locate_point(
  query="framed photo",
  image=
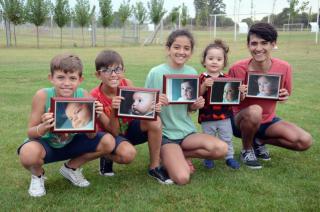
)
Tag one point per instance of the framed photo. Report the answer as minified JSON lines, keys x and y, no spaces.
{"x":225,"y":91}
{"x":181,"y":88}
{"x":73,"y":114}
{"x":264,"y":86}
{"x":139,"y":103}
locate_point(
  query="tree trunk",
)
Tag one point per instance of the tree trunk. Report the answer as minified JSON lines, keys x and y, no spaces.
{"x":82,"y":37}
{"x":61,"y":37}
{"x":37,"y":36}
{"x":14,"y":34}
{"x":104,"y":36}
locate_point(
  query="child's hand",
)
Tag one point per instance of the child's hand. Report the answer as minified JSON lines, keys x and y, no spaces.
{"x":116,"y":102}
{"x":163,"y":99}
{"x":208,"y":82}
{"x":243,"y":91}
{"x":47,"y":121}
{"x":283,"y":94}
{"x":198,"y":104}
{"x":99,"y":108}
{"x":158,"y":107}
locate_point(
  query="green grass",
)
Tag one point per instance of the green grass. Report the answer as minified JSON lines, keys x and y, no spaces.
{"x":290,"y":182}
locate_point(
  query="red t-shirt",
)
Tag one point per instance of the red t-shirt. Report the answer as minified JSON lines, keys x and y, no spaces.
{"x":239,"y":70}
{"x":106,"y":101}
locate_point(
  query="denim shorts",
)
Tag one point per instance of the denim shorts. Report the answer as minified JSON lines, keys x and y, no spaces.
{"x":134,"y":135}
{"x":261,"y":133}
{"x":166,"y":140}
{"x":79,"y":145}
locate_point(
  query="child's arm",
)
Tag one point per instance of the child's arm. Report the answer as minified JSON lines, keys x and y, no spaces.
{"x":39,"y":121}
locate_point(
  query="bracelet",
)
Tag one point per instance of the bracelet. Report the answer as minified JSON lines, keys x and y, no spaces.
{"x":37,"y":130}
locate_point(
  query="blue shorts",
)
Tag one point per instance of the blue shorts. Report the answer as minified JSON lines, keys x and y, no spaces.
{"x":166,"y":140}
{"x":261,"y":133}
{"x":79,"y":145}
{"x":134,"y":135}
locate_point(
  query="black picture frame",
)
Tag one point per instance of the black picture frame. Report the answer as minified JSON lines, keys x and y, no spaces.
{"x":225,"y":91}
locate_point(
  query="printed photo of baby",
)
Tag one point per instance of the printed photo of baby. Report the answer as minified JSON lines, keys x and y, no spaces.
{"x":225,"y":92}
{"x":264,"y":86}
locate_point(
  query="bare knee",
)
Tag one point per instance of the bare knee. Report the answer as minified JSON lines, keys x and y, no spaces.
{"x":106,"y":144}
{"x":31,"y":153}
{"x":253,"y":114}
{"x":181,"y":178}
{"x":126,"y":154}
{"x":305,"y":142}
{"x":218,"y":150}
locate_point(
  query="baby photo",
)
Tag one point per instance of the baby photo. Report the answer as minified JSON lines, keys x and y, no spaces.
{"x":225,"y":92}
{"x":138,"y":102}
{"x":263,"y":85}
{"x":73,"y":115}
{"x":181,"y":89}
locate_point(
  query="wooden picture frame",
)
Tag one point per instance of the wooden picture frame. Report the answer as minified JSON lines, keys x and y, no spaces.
{"x":138,"y":103}
{"x":225,"y":91}
{"x":264,"y":85}
{"x":181,"y":88}
{"x":73,"y":115}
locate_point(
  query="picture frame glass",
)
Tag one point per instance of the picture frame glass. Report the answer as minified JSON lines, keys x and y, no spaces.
{"x":225,"y":92}
{"x":264,"y":86}
{"x":74,"y":115}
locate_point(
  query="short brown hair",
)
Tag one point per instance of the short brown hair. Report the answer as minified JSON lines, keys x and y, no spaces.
{"x":107,"y":58}
{"x":66,"y":63}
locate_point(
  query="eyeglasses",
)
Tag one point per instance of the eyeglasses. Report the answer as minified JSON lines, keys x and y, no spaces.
{"x":117,"y":70}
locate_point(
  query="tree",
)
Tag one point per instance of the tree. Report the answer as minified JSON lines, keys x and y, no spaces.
{"x":124,"y":11}
{"x":37,"y":12}
{"x":14,"y":12}
{"x":156,"y":13}
{"x":206,"y":7}
{"x":82,"y":15}
{"x":184,"y":15}
{"x":61,"y":15}
{"x":140,"y":14}
{"x":174,"y":15}
{"x":106,"y":16}
{"x":294,"y":9}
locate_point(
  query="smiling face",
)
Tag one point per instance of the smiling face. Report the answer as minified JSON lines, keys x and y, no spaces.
{"x":260,"y":49}
{"x":79,"y":114}
{"x":65,"y":83}
{"x":214,"y":60}
{"x":187,"y":91}
{"x":265,"y":86}
{"x":179,"y":52}
{"x":111,"y":75}
{"x":142,"y":103}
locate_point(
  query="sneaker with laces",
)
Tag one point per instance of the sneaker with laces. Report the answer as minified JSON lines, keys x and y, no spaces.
{"x":249,"y":159}
{"x":232,"y":163}
{"x":75,"y":176}
{"x":209,"y":164}
{"x":36,"y":188}
{"x":161,"y":175}
{"x":261,"y":151}
{"x":106,"y":167}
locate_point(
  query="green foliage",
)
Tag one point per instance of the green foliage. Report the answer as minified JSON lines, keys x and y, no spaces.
{"x":37,"y":11}
{"x":156,"y":11}
{"x":106,"y":12}
{"x":124,"y":11}
{"x":140,"y":12}
{"x":82,"y":12}
{"x":184,"y":15}
{"x":13,"y":10}
{"x":204,"y":8}
{"x":61,"y":13}
{"x":174,"y":15}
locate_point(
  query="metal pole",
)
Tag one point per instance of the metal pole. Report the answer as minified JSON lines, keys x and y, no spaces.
{"x":215,"y":27}
{"x":317,"y":32}
{"x":235,"y":22}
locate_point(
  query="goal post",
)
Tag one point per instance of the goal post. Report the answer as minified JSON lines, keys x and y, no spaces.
{"x":293,"y":27}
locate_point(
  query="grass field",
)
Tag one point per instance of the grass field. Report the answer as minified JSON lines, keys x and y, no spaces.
{"x":289,"y":182}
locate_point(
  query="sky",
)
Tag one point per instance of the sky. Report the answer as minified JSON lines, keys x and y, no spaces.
{"x":260,"y":7}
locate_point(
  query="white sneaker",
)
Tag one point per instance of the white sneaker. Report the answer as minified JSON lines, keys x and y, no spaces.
{"x":36,"y":188}
{"x":75,"y":177}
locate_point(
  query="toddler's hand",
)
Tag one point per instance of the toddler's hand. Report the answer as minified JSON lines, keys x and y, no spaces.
{"x":243,"y":91}
{"x":116,"y":102}
{"x":208,"y":82}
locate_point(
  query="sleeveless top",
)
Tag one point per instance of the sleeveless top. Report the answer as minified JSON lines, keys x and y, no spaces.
{"x":56,"y":140}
